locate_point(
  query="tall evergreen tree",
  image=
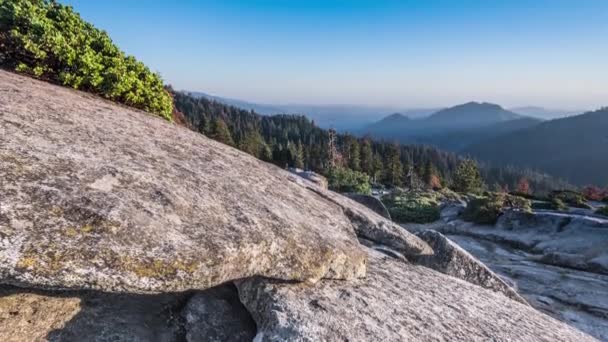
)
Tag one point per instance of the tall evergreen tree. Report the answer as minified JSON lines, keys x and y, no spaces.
{"x":221,"y":133}
{"x":367,"y":157}
{"x":394,"y":167}
{"x":467,"y":177}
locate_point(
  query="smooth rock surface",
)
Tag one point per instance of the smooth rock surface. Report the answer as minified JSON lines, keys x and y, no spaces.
{"x":451,"y":259}
{"x":100,"y":196}
{"x":561,"y":239}
{"x":576,"y":297}
{"x":396,"y":302}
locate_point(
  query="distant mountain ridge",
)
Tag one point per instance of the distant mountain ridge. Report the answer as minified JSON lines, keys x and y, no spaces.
{"x":452,"y":128}
{"x":545,"y":113}
{"x":574,"y":148}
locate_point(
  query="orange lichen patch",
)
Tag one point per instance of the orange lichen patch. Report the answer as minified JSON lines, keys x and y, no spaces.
{"x":159,"y":269}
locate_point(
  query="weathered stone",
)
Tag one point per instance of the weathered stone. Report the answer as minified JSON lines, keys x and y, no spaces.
{"x":27,"y":315}
{"x":372,"y":203}
{"x":100,"y":196}
{"x":452,"y":210}
{"x":451,"y":259}
{"x":217,"y":315}
{"x":396,"y":302}
{"x":374,"y":227}
{"x":576,"y":297}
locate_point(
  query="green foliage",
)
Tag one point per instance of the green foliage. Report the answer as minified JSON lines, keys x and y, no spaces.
{"x":467,"y":177}
{"x":220,"y":132}
{"x":413,"y":207}
{"x":346,"y":180}
{"x":602,"y":211}
{"x":571,"y":198}
{"x":486,"y":209}
{"x":50,"y":41}
{"x":553,"y":204}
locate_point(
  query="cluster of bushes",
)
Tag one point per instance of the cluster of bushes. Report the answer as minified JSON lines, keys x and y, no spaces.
{"x":413,"y":207}
{"x":571,"y":198}
{"x":552,"y":204}
{"x":487,"y":208}
{"x":346,"y":180}
{"x":50,"y":41}
{"x":602,"y":211}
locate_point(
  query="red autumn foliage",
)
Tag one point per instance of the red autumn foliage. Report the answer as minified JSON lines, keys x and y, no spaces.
{"x":594,"y":193}
{"x":435,"y":182}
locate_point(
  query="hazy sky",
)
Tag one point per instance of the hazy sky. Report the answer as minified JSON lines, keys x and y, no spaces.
{"x":403,"y":53}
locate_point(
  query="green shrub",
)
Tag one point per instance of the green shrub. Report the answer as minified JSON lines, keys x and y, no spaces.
{"x":50,"y":41}
{"x":571,"y":198}
{"x":346,"y":180}
{"x":554,"y":204}
{"x":602,"y":211}
{"x":413,"y":207}
{"x":487,"y":209}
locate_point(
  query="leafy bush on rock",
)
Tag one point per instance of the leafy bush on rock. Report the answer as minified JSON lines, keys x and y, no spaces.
{"x":413,"y":207}
{"x":346,"y":180}
{"x":50,"y":41}
{"x":486,"y":209}
{"x":553,"y":204}
{"x":571,"y":198}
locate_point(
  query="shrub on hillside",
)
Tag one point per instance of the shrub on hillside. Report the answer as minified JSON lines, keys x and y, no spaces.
{"x":486,"y":209}
{"x":413,"y":207}
{"x":571,"y":198}
{"x":554,"y":204}
{"x":346,"y":180}
{"x":602,"y":211}
{"x":50,"y":41}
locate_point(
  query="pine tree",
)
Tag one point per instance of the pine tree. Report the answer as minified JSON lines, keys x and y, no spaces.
{"x":367,"y":157}
{"x":299,"y":157}
{"x":467,"y":177}
{"x":221,"y":133}
{"x":354,"y":162}
{"x":394,"y":168}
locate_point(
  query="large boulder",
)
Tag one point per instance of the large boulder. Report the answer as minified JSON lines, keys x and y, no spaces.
{"x":371,"y":202}
{"x":451,"y":259}
{"x":100,"y":196}
{"x":396,"y":302}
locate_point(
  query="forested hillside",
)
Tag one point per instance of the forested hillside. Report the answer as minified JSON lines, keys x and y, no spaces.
{"x":575,"y":148}
{"x":291,"y":140}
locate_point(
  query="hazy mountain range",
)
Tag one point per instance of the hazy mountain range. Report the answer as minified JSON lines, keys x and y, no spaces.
{"x":574,"y":148}
{"x":452,"y":128}
{"x":339,"y":117}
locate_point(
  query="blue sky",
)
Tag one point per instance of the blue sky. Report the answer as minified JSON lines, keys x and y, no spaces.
{"x":404,"y":53}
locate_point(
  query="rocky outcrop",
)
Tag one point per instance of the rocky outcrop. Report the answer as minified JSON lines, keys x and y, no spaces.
{"x":372,"y":203}
{"x":451,"y":259}
{"x":561,"y":239}
{"x":396,"y":302}
{"x":98,"y":196}
{"x":118,"y":226}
